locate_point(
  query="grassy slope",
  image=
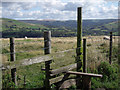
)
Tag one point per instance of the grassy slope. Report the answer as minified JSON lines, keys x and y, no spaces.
{"x":18,"y":24}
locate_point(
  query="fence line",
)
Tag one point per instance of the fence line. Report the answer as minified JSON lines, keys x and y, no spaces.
{"x":35,"y":60}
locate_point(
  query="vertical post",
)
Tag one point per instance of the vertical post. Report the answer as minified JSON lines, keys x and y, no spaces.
{"x":47,"y":71}
{"x":84,"y":56}
{"x":24,"y":81}
{"x":47,"y":50}
{"x":14,"y":76}
{"x":86,"y":80}
{"x":12,"y":58}
{"x":110,"y":49}
{"x":47,"y":42}
{"x":79,"y":43}
{"x":12,"y":49}
{"x":86,"y":83}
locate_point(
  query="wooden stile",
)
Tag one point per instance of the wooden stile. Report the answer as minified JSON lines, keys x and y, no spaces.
{"x":63,"y":69}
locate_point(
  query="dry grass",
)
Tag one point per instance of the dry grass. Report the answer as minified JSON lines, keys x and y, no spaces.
{"x":33,"y":47}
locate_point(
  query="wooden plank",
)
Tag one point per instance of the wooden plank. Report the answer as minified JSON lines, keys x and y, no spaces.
{"x":57,"y":79}
{"x":84,"y":74}
{"x":26,"y":62}
{"x":33,"y":60}
{"x":63,"y":69}
{"x":66,"y":84}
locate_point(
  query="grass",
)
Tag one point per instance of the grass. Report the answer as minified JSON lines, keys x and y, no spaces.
{"x":27,"y":48}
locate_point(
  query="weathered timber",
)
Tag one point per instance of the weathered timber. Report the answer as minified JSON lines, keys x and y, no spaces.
{"x":57,"y":79}
{"x":33,"y":60}
{"x":85,"y":74}
{"x":110,"y":49}
{"x":63,"y":69}
{"x":79,"y":44}
{"x":47,"y":42}
{"x":47,"y":74}
{"x":25,"y":62}
{"x":12,"y":49}
{"x":14,"y":76}
{"x":12,"y":58}
{"x":47,"y":50}
{"x":84,"y":56}
{"x":66,"y":84}
{"x":86,"y":82}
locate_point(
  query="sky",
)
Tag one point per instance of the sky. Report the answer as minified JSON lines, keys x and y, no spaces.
{"x":58,"y":9}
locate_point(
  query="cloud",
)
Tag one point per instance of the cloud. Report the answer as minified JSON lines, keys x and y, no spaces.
{"x":57,"y":9}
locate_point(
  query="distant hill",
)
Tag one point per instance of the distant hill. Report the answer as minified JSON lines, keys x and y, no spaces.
{"x":15,"y":28}
{"x":35,"y":28}
{"x":71,"y":23}
{"x":90,"y":27}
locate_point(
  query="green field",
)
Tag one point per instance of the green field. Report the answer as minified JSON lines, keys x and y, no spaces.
{"x":97,"y":52}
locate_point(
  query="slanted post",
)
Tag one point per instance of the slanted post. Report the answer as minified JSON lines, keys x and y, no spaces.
{"x":47,"y":50}
{"x":110,"y":49}
{"x":79,"y":43}
{"x":12,"y":58}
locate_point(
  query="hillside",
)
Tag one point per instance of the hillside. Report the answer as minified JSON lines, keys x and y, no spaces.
{"x":15,"y":28}
{"x":90,"y":27}
{"x":35,"y":28}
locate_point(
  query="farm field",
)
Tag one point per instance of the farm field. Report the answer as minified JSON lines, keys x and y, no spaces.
{"x":97,"y":52}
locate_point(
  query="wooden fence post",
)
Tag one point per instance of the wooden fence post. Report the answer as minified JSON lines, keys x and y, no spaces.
{"x":110,"y":49}
{"x":84,"y":56}
{"x":47,"y":42}
{"x":12,"y":49}
{"x":79,"y":43}
{"x":12,"y":58}
{"x":24,"y":81}
{"x":86,"y":80}
{"x":47,"y":50}
{"x":86,"y":83}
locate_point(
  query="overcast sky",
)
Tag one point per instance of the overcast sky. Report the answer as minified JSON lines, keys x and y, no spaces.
{"x":59,"y":9}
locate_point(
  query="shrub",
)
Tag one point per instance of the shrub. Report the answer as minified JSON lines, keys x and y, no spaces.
{"x":108,"y":71}
{"x":110,"y":76}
